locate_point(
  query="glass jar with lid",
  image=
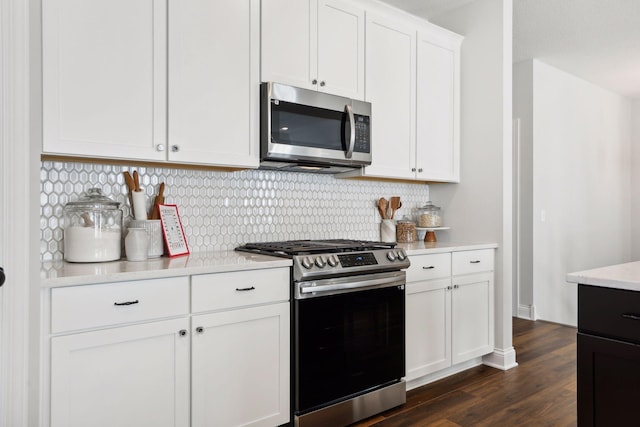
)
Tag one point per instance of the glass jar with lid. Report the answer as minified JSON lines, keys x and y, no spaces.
{"x":92,"y":228}
{"x":405,"y":231}
{"x":429,"y":216}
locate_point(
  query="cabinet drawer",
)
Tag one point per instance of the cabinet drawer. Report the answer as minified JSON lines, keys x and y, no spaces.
{"x":611,"y":313}
{"x":220,"y":291}
{"x":427,"y":267}
{"x":467,"y":262}
{"x":91,"y":306}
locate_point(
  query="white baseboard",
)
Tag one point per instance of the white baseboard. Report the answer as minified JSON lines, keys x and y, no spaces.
{"x":419,"y":382}
{"x":503,"y":359}
{"x":527,"y":311}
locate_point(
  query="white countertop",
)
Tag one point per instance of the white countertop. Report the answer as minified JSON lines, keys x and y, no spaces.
{"x":423,"y":248}
{"x":60,"y":273}
{"x":621,"y":276}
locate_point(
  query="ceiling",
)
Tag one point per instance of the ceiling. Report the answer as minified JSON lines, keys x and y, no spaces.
{"x":596,"y":40}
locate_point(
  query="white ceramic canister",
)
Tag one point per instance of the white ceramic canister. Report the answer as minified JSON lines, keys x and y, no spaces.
{"x":388,"y":230}
{"x":136,"y":244}
{"x":154,"y":233}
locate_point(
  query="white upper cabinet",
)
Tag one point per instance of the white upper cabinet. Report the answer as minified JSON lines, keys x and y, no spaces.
{"x":314,"y":44}
{"x":104,"y":74}
{"x":213,"y":82}
{"x":413,"y":83}
{"x":105,"y":80}
{"x":438,"y":107}
{"x":390,"y":82}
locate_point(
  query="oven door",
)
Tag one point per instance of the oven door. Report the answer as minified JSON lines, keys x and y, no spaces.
{"x":349,"y":337}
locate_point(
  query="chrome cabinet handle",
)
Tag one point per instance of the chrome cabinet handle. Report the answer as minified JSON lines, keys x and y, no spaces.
{"x":456,"y":286}
{"x":314,"y":82}
{"x":127,"y":302}
{"x":631,"y":316}
{"x":160,"y":147}
{"x":175,"y":148}
{"x":448,"y":288}
{"x":322,"y":83}
{"x":2,"y":276}
{"x":251,"y":288}
{"x":200,"y":330}
{"x":413,"y":169}
{"x":428,"y":267}
{"x":419,"y":169}
{"x":182,"y":332}
{"x":475,"y":261}
{"x":352,"y":134}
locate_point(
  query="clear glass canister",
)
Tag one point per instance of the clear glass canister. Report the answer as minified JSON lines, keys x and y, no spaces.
{"x":405,"y":231}
{"x":429,"y":216}
{"x":92,"y":228}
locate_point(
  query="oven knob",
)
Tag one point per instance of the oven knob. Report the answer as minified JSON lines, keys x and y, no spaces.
{"x":332,"y":261}
{"x":401,"y":255}
{"x":391,"y":256}
{"x":320,"y":262}
{"x":306,"y":263}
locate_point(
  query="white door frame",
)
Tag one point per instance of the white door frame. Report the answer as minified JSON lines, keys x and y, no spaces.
{"x":19,"y":213}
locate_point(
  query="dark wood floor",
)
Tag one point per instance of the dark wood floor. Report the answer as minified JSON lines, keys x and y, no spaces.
{"x":541,"y":391}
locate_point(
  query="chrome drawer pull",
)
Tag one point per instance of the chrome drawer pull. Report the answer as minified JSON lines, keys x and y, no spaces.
{"x":428,"y":268}
{"x":631,"y":316}
{"x":245,"y":289}
{"x":126,"y":302}
{"x":475,"y":262}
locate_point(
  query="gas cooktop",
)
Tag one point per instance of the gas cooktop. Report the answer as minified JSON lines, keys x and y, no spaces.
{"x":307,"y":247}
{"x":313,"y":259}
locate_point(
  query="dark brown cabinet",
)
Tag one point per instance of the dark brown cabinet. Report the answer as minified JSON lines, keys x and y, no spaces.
{"x":608,"y":356}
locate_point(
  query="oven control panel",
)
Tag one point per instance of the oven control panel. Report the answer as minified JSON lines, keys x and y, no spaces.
{"x":357,"y":259}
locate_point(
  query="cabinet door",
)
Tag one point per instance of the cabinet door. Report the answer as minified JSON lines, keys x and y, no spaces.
{"x":127,"y":377}
{"x":428,"y":327}
{"x":240,"y":367}
{"x":437,"y":140}
{"x":104,"y":78}
{"x":390,"y":87}
{"x":472,"y":316}
{"x":608,"y":377}
{"x":214,"y":82}
{"x":341,"y":48}
{"x":289,"y":45}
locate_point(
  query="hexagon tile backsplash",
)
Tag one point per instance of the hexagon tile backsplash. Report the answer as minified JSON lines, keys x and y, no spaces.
{"x":221,"y":210}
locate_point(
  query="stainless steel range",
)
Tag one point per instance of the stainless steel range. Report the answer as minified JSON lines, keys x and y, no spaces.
{"x":348,"y":328}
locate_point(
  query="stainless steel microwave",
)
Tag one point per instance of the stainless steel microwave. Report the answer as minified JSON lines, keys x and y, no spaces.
{"x":307,"y":131}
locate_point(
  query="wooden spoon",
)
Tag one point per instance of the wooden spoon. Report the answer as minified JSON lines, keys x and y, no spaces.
{"x":159,"y":200}
{"x":395,"y":204}
{"x":382,"y":207}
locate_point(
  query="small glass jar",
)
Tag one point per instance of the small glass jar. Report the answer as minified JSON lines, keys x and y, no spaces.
{"x":92,"y":228}
{"x":405,"y":231}
{"x":429,"y":216}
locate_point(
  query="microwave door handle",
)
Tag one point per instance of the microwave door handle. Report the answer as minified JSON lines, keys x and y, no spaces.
{"x":352,"y":133}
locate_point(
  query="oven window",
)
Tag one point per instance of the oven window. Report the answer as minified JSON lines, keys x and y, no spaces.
{"x":348,"y":343}
{"x":302,"y":125}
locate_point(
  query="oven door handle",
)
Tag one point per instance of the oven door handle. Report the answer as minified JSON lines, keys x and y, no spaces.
{"x":316,"y":287}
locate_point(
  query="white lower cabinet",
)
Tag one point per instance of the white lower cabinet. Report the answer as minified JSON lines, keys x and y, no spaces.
{"x":134,"y":354}
{"x":240,"y":366}
{"x":130,"y":376}
{"x":449,"y":310}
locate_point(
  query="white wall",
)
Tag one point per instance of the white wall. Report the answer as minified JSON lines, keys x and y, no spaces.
{"x":581,"y":171}
{"x":635,"y":180}
{"x":479,"y":208}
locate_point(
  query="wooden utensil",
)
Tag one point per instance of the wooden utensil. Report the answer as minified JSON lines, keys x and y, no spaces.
{"x":382,"y":207}
{"x":395,"y":204}
{"x":136,"y":181}
{"x":159,"y":200}
{"x":131,"y":185}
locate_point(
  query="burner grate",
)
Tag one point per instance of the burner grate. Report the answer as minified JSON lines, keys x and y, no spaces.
{"x":302,"y":247}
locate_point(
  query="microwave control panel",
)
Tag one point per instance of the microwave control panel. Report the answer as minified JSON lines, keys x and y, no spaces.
{"x":363,"y":132}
